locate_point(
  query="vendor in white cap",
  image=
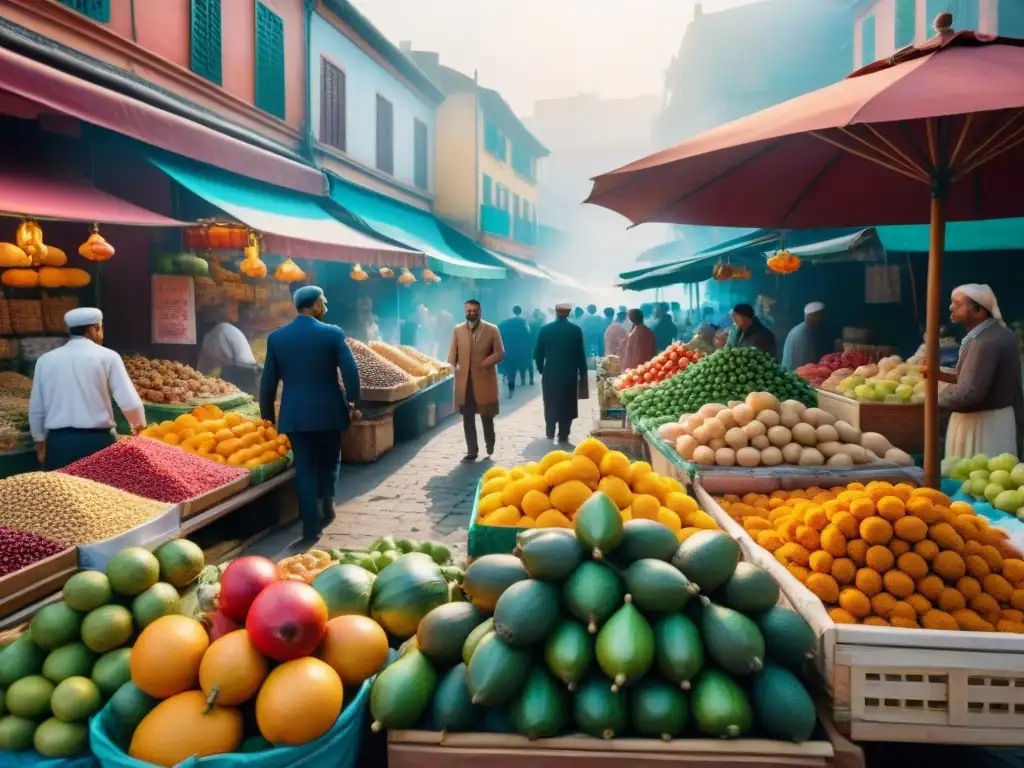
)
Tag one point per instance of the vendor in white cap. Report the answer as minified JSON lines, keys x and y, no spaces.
{"x":985,"y":400}
{"x":803,"y":344}
{"x":70,"y":412}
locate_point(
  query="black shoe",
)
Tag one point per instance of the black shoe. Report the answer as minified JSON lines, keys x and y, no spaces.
{"x":490,"y":451}
{"x":550,"y":435}
{"x":469,"y":458}
{"x":309,"y":539}
{"x":563,"y":439}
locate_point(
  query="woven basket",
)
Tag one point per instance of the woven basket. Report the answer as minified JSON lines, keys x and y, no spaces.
{"x":26,"y":315}
{"x":5,"y":318}
{"x":367,"y":441}
{"x":54,"y":309}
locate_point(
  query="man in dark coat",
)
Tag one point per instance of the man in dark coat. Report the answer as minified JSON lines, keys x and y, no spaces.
{"x":306,"y":356}
{"x":562,"y":362}
{"x":749,"y":331}
{"x":515,"y":335}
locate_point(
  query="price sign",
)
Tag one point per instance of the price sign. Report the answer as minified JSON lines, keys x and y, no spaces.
{"x":174,"y":310}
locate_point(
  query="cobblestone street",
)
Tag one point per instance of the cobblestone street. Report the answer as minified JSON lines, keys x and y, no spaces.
{"x":420,"y":489}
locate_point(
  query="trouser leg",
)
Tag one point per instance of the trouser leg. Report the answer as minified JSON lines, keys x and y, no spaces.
{"x":327,"y":474}
{"x":488,"y":422}
{"x":564,"y":425}
{"x":469,"y":420}
{"x":549,"y":428}
{"x":511,"y":378}
{"x":304,"y":450}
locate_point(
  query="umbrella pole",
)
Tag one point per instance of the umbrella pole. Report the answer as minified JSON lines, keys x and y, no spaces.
{"x":936,"y":249}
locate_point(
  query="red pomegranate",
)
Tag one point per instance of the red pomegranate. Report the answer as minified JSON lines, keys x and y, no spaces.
{"x":242,"y":581}
{"x":287,"y":620}
{"x":221,"y":625}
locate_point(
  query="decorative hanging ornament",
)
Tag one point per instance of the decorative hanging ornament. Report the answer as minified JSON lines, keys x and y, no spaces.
{"x":387,"y":273}
{"x":406,"y":278}
{"x":430,"y":277}
{"x":29,"y":238}
{"x":252,"y":265}
{"x":358,"y":274}
{"x":95,"y":248}
{"x":784,"y":263}
{"x":722,"y":271}
{"x":289,"y":272}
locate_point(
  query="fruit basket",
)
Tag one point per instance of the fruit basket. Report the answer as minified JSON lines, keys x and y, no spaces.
{"x":488,"y":539}
{"x":367,"y":440}
{"x":902,"y":424}
{"x":902,"y":685}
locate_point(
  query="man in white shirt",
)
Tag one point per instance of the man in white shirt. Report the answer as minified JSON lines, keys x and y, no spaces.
{"x":226,"y":348}
{"x":70,"y":411}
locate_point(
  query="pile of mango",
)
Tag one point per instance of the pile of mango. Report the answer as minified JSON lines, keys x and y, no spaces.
{"x":548,"y":493}
{"x":891,"y":555}
{"x":226,"y":438}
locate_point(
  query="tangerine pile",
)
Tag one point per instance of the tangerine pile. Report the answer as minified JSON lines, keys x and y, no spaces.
{"x":891,"y":555}
{"x":226,"y":438}
{"x":548,"y":493}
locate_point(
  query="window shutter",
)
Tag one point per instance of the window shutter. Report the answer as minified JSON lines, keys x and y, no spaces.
{"x":906,"y":23}
{"x":205,"y":56}
{"x":385,"y":135}
{"x":421,"y":155}
{"x":867,"y":40}
{"x":1011,"y":18}
{"x":97,"y":10}
{"x":488,"y":190}
{"x":332,"y":105}
{"x":269,"y":61}
{"x":965,"y":13}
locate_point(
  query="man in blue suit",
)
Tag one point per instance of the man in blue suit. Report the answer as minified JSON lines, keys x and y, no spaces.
{"x":306,"y":356}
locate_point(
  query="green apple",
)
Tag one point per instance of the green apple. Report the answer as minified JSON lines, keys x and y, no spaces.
{"x":866,"y":392}
{"x":979,"y":474}
{"x":905,"y":391}
{"x":1001,"y":477}
{"x":992,"y":491}
{"x":886,"y":387}
{"x":980,"y":461}
{"x":978,"y":486}
{"x":1006,"y":461}
{"x":1008,"y":501}
{"x":1017,"y":475}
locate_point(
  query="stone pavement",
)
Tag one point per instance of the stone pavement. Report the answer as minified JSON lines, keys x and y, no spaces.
{"x":420,"y":489}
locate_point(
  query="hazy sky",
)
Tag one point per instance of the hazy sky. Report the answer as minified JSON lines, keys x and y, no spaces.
{"x":530,"y":49}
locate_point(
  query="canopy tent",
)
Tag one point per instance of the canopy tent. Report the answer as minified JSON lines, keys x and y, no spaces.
{"x":446,"y":250}
{"x":293,"y":224}
{"x":519,"y":266}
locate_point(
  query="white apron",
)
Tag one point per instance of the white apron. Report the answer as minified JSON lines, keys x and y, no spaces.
{"x":987,"y":432}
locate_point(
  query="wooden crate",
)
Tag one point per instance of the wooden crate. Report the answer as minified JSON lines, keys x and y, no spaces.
{"x":430,"y":749}
{"x":903,"y":425}
{"x":904,"y":685}
{"x":208,"y":499}
{"x":40,"y":579}
{"x":367,"y":441}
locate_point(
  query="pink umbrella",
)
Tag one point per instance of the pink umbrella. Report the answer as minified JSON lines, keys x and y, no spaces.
{"x":934,"y":134}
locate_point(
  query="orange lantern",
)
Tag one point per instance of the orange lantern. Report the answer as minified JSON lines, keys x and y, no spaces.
{"x":289,"y":272}
{"x":430,"y":277}
{"x":358,"y":274}
{"x":406,"y":278}
{"x":721,"y":271}
{"x":387,"y":273}
{"x":95,"y":248}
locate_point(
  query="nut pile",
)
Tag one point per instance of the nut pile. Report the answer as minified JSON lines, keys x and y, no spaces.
{"x":70,"y":510}
{"x":19,"y":550}
{"x":154,"y":470}
{"x":167,"y":381}
{"x":374,"y":371}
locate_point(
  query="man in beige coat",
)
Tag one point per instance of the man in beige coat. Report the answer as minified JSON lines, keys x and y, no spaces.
{"x":475,"y":353}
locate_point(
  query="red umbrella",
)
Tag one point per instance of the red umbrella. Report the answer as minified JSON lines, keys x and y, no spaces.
{"x":934,"y":134}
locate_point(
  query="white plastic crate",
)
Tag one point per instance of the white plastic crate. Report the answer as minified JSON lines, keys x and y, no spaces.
{"x":909,"y":685}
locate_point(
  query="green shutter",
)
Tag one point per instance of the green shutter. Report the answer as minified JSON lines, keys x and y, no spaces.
{"x":867,"y":40}
{"x":1011,"y":18}
{"x":97,"y":10}
{"x":906,"y":23}
{"x":205,"y":57}
{"x":269,"y":61}
{"x":965,"y":13}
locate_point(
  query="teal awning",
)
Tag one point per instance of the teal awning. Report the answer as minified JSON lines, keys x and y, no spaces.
{"x":994,"y":235}
{"x":521,"y":267}
{"x":417,"y":229}
{"x":293,"y":224}
{"x":862,"y":245}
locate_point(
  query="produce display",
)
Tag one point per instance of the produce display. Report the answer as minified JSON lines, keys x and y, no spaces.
{"x":402,"y":359}
{"x":889,"y":381}
{"x":761,"y":431}
{"x":438,"y":367}
{"x":77,"y":653}
{"x":185,"y":263}
{"x":382,"y":552}
{"x":728,"y":375}
{"x":19,"y":550}
{"x":166,"y":381}
{"x":14,"y":393}
{"x":605,"y":629}
{"x":374,"y":371}
{"x":999,"y":480}
{"x":154,"y":470}
{"x":891,"y":555}
{"x":609,"y":366}
{"x":226,"y":438}
{"x":817,"y":373}
{"x":551,"y":492}
{"x":675,"y":359}
{"x":71,"y":510}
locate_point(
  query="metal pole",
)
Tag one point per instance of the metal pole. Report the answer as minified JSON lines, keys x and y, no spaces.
{"x":476,"y":152}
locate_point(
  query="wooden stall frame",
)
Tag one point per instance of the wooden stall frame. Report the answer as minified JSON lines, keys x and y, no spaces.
{"x":193,"y":507}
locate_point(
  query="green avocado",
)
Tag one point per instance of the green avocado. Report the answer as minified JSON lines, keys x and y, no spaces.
{"x":750,"y":590}
{"x":783,"y":707}
{"x":526,"y":612}
{"x":720,"y":707}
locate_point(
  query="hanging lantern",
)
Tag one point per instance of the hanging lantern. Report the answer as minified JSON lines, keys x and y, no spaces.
{"x":289,"y":272}
{"x":95,"y":248}
{"x":406,"y":278}
{"x":252,"y":265}
{"x":29,"y":238}
{"x":783,"y":263}
{"x":358,"y":274}
{"x":387,"y":273}
{"x":722,"y":271}
{"x":429,"y":276}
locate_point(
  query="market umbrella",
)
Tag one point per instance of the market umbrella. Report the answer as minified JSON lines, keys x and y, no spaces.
{"x":933,"y":134}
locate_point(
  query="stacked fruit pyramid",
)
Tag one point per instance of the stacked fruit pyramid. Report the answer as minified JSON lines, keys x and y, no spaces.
{"x":891,"y":555}
{"x":549,"y":493}
{"x":611,"y":629}
{"x":76,"y":654}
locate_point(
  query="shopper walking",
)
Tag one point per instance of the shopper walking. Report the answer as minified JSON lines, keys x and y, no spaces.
{"x":305,"y":356}
{"x":70,"y":413}
{"x":562,"y":362}
{"x":476,"y":349}
{"x":615,"y":336}
{"x":515,"y":336}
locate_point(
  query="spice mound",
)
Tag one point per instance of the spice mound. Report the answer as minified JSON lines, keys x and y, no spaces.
{"x":71,"y":510}
{"x":19,"y":550}
{"x":154,"y":470}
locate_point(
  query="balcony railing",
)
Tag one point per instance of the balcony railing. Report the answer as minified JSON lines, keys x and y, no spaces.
{"x":495,"y":221}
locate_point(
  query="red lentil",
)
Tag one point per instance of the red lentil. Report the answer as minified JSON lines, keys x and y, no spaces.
{"x":19,"y":550}
{"x":154,"y":470}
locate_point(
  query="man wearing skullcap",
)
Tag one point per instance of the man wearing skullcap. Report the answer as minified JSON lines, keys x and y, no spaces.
{"x":562,"y":361}
{"x":749,"y":331}
{"x":803,"y":344}
{"x":306,"y":356}
{"x":985,"y":401}
{"x":70,"y":411}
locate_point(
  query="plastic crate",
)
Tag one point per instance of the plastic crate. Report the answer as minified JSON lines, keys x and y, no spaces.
{"x":489,"y":539}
